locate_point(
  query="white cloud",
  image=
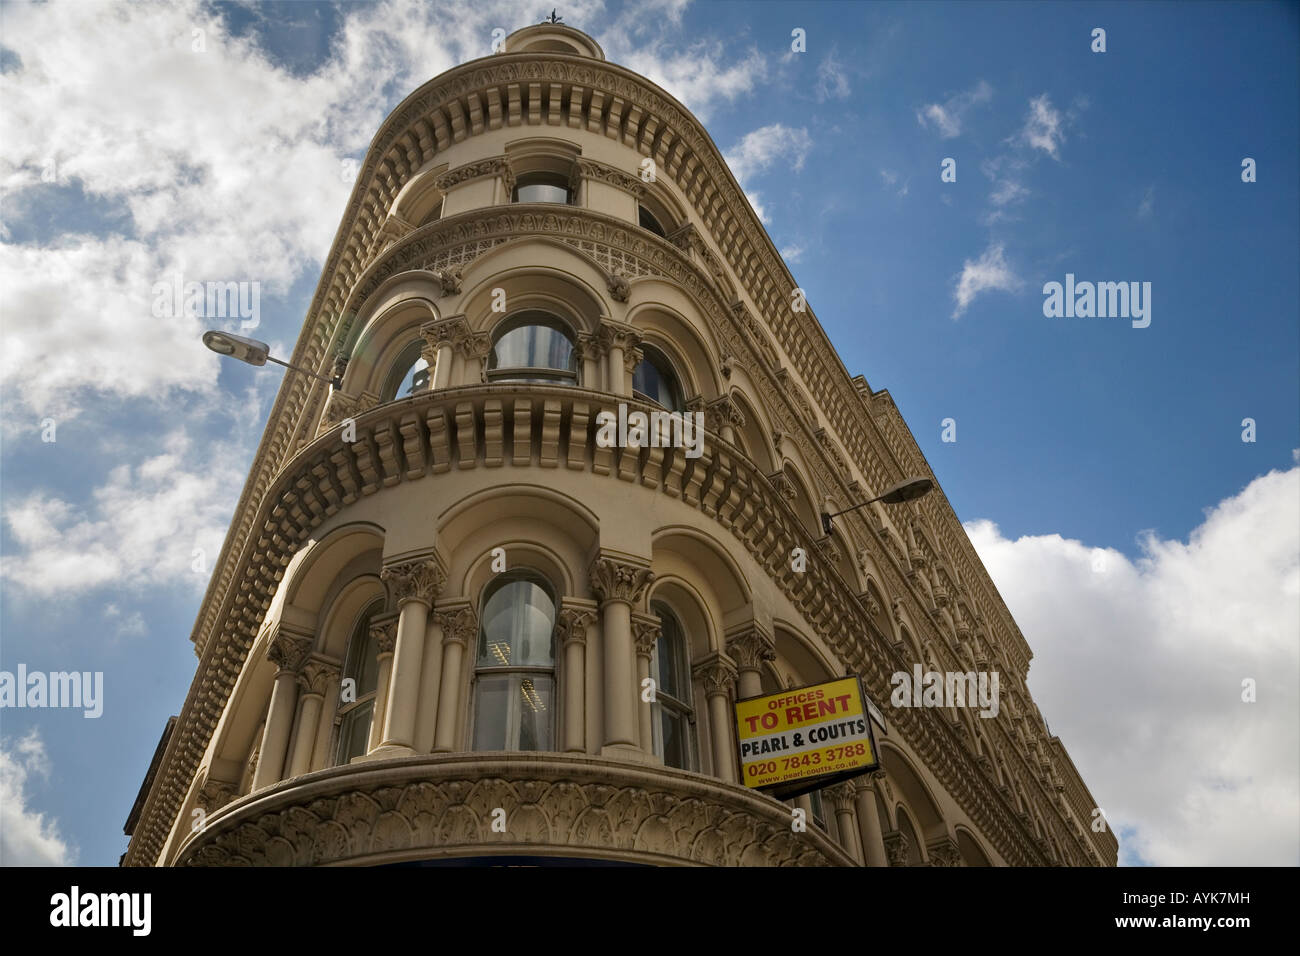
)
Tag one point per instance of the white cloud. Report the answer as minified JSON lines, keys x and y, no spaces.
{"x":832,"y":80}
{"x":792,"y":253}
{"x":1138,"y":667}
{"x":1043,"y":127}
{"x":989,"y":272}
{"x":761,"y":148}
{"x":141,"y":530}
{"x":946,"y":117}
{"x":1148,"y":204}
{"x":756,"y":202}
{"x":27,"y":837}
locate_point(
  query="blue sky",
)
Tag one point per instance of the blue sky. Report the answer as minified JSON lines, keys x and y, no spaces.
{"x":126,"y":155}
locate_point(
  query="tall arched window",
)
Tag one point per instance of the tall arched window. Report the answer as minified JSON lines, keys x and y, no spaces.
{"x":409,"y":374}
{"x":357,"y":700}
{"x":532,"y":347}
{"x":514,"y":676}
{"x":674,"y":718}
{"x":655,"y":381}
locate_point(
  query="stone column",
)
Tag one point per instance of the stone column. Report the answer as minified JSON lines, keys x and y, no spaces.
{"x":440,"y":339}
{"x":718,"y":674}
{"x":618,"y":584}
{"x":414,"y":585}
{"x":645,"y":633}
{"x":842,"y":797}
{"x":615,"y":339}
{"x":287,"y":651}
{"x":571,"y":626}
{"x":869,"y":829}
{"x":384,"y":634}
{"x":749,"y":648}
{"x":314,"y":682}
{"x":459,"y":629}
{"x":426,"y":715}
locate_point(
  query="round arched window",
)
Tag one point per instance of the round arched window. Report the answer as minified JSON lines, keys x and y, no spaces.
{"x":357,"y":710}
{"x":514,"y":674}
{"x":409,"y":374}
{"x":655,"y":381}
{"x":673,"y":724}
{"x":533,"y":347}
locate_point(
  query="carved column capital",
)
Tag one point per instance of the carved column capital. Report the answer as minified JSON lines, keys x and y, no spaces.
{"x":944,"y":852}
{"x":749,"y":648}
{"x":572,"y":622}
{"x":384,"y":634}
{"x":619,"y":335}
{"x":420,"y":580}
{"x":613,"y":579}
{"x":459,"y":625}
{"x":718,"y":413}
{"x":646,"y":629}
{"x":318,"y":676}
{"x":841,"y":795}
{"x":441,"y":333}
{"x":288,"y":649}
{"x":870,"y":782}
{"x":215,"y":794}
{"x":896,"y":847}
{"x":717,"y":672}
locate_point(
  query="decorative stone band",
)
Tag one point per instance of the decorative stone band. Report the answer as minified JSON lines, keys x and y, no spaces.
{"x":611,"y":176}
{"x":441,"y":806}
{"x":614,"y":579}
{"x":421,"y":580}
{"x":459,"y":624}
{"x":494,"y":166}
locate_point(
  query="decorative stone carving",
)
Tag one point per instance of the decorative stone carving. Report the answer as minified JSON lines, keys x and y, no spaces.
{"x":616,"y":580}
{"x":421,"y":580}
{"x":384,"y":634}
{"x":841,"y":795}
{"x":571,"y":624}
{"x":453,"y":331}
{"x":617,"y":335}
{"x":318,"y":676}
{"x":495,"y":166}
{"x":459,"y":625}
{"x":631,"y":359}
{"x":601,"y":173}
{"x":783,"y":485}
{"x":215,"y":794}
{"x":342,"y":406}
{"x":944,"y":852}
{"x":288,"y":650}
{"x":749,"y":649}
{"x":449,"y":280}
{"x":717,"y":673}
{"x":896,"y":847}
{"x":646,"y":629}
{"x":619,"y":288}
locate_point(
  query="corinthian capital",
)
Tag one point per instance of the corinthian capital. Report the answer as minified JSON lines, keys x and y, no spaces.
{"x":288,"y":649}
{"x":646,"y":629}
{"x":615,"y":580}
{"x":317,"y":676}
{"x":750,"y":648}
{"x":717,"y":672}
{"x":617,"y":335}
{"x":459,"y":625}
{"x":384,"y":634}
{"x":421,"y":580}
{"x":446,"y":332}
{"x":572,"y":622}
{"x":841,"y":795}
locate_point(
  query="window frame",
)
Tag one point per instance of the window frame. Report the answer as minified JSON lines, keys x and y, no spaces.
{"x":529,"y":374}
{"x":406,"y":359}
{"x":365,"y":619}
{"x":681,"y":708}
{"x":678,"y":388}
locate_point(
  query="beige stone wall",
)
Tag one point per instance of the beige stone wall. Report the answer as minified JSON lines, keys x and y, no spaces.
{"x":407,"y":512}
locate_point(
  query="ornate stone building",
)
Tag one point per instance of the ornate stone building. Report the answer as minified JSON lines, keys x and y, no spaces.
{"x":441,"y":594}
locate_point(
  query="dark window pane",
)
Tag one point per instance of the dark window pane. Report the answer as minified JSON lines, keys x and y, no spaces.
{"x":518,"y":621}
{"x":491,"y":715}
{"x":533,"y":346}
{"x":655,"y":380}
{"x":648,"y":221}
{"x":354,"y":731}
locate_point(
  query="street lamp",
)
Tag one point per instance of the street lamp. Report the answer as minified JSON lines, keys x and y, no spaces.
{"x":909,"y":489}
{"x":254,"y":352}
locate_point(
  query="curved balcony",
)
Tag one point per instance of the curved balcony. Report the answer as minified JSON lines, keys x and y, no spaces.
{"x":441,"y":807}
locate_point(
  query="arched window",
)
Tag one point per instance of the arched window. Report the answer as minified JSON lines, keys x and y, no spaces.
{"x":533,"y":347}
{"x":541,"y":187}
{"x":409,"y":374}
{"x":655,"y":381}
{"x":674,"y":718}
{"x":514,"y":676}
{"x":648,"y":221}
{"x":357,"y":700}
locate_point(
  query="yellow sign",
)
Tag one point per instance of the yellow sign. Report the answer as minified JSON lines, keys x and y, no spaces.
{"x":818,"y":731}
